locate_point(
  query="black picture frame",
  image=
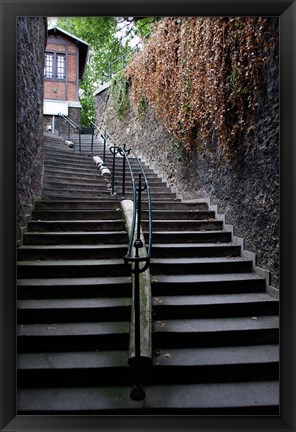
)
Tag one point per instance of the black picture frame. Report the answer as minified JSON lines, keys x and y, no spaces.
{"x":9,"y":10}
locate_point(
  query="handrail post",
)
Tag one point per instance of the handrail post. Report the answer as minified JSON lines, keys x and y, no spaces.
{"x":123,"y":174}
{"x":104,"y":148}
{"x":138,"y":392}
{"x":92,"y":138}
{"x":124,"y":153}
{"x":69,"y":126}
{"x":139,"y":208}
{"x":59,"y":122}
{"x":114,"y":150}
{"x":79,"y":131}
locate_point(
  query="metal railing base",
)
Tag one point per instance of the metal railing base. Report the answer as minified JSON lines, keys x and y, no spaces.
{"x":137,"y":392}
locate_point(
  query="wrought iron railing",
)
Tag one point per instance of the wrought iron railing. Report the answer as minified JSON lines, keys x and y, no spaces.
{"x":104,"y":135}
{"x":136,"y":257}
{"x":71,"y":123}
{"x":79,"y":128}
{"x":122,"y":61}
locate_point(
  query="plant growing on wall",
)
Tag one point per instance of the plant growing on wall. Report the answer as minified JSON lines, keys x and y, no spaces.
{"x":119,"y":91}
{"x":205,"y":77}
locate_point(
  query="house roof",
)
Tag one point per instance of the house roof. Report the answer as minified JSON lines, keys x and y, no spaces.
{"x":83,"y":47}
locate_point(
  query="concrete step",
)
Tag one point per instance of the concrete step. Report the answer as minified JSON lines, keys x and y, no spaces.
{"x":175,"y":205}
{"x":59,"y":152}
{"x":177,"y":215}
{"x":53,"y":182}
{"x":36,"y":311}
{"x":112,"y":203}
{"x":150,"y":176}
{"x":158,"y":190}
{"x":61,"y":157}
{"x":71,"y":173}
{"x":184,"y":225}
{"x":212,"y":265}
{"x":207,"y":332}
{"x":182,"y":250}
{"x":216,"y":365}
{"x":174,"y":237}
{"x":69,"y":168}
{"x":69,"y":161}
{"x":197,"y":284}
{"x":153,"y":180}
{"x":76,"y":225}
{"x":213,"y":306}
{"x":215,"y":330}
{"x":185,"y":365}
{"x":74,"y":368}
{"x":72,"y":268}
{"x":154,"y":184}
{"x":55,"y":194}
{"x":74,"y":287}
{"x":105,"y":214}
{"x":72,"y":167}
{"x":154,"y":197}
{"x":98,"y":204}
{"x":66,"y":176}
{"x":68,"y":252}
{"x":67,"y":337}
{"x":57,"y":147}
{"x":58,"y":155}
{"x":72,"y":238}
{"x":241,"y":398}
{"x":87,"y":163}
{"x":73,"y":194}
{"x":80,"y":198}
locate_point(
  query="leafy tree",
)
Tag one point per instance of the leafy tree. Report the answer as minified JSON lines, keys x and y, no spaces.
{"x":107,"y":44}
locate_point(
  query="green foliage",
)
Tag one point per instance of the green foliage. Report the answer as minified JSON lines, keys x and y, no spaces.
{"x":144,"y":25}
{"x":142,"y":107}
{"x":178,"y":149}
{"x":101,"y":33}
{"x":105,"y":47}
{"x":119,"y":91}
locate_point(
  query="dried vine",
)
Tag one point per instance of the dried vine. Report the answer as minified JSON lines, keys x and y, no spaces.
{"x":204,"y":77}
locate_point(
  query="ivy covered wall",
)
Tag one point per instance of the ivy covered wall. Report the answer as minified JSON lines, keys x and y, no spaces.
{"x":238,"y":172}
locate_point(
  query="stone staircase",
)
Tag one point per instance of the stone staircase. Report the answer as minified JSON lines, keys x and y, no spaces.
{"x":215,"y":328}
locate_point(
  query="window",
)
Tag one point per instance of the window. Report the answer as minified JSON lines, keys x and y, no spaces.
{"x":54,"y":66}
{"x":49,"y":65}
{"x":60,"y":66}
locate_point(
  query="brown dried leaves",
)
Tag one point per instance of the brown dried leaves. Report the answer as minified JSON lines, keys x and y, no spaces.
{"x":203,"y":77}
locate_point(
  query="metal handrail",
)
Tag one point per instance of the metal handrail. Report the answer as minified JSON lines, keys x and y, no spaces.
{"x":125,"y":153}
{"x":69,"y":120}
{"x":122,"y":59}
{"x":149,"y":204}
{"x":104,"y":134}
{"x":139,"y":264}
{"x":74,"y":125}
{"x":102,"y":131}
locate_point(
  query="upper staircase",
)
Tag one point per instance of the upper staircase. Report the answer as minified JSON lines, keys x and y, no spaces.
{"x":215,"y":328}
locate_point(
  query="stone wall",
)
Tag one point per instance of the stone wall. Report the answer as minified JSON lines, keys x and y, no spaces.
{"x":245,"y":190}
{"x":31,"y":39}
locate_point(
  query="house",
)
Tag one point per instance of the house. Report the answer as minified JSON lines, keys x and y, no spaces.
{"x":65,"y":64}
